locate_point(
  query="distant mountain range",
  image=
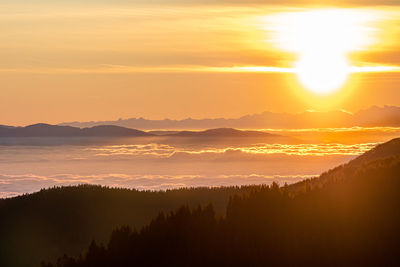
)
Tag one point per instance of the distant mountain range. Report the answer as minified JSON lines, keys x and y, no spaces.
{"x":373,"y":116}
{"x":47,"y":130}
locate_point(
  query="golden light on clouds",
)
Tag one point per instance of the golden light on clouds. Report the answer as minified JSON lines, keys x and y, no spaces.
{"x":166,"y":151}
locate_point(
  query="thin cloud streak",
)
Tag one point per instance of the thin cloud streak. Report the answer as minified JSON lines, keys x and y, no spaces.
{"x":167,"y":151}
{"x":118,"y":69}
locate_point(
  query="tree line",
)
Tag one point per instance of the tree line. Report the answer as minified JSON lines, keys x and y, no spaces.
{"x":350,"y":218}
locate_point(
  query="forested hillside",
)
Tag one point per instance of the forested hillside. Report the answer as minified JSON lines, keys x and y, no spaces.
{"x":349,"y":221}
{"x":54,"y":221}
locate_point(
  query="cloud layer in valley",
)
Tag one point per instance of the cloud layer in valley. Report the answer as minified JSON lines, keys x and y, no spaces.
{"x":12,"y":185}
{"x":155,"y":166}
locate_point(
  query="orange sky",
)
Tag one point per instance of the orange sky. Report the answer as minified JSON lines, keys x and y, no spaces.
{"x":80,"y":61}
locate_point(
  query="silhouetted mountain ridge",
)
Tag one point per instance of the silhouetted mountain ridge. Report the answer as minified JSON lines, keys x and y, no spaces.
{"x":373,"y":116}
{"x":47,"y":130}
{"x":388,"y":150}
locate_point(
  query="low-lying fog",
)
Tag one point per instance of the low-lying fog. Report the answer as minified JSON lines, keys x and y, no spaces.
{"x":29,"y":164}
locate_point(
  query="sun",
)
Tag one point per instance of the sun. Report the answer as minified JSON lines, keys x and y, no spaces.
{"x":322,"y":40}
{"x":322,"y":73}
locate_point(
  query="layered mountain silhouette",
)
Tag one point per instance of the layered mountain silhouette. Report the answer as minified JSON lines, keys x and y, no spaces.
{"x":373,"y":116}
{"x":47,"y":130}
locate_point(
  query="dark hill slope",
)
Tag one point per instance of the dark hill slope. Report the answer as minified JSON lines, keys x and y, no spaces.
{"x":44,"y":224}
{"x":350,"y":221}
{"x":390,"y":149}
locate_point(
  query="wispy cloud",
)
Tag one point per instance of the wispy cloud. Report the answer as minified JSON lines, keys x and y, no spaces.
{"x":337,"y":130}
{"x":119,"y":69}
{"x":222,"y":2}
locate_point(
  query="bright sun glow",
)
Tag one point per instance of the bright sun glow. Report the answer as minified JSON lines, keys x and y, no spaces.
{"x":322,"y":39}
{"x":322,"y":73}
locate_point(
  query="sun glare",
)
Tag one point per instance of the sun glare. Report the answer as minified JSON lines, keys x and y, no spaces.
{"x":322,"y":40}
{"x":322,"y":73}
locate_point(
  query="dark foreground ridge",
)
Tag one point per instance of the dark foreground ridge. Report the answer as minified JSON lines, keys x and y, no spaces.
{"x":349,"y":216}
{"x":49,"y":223}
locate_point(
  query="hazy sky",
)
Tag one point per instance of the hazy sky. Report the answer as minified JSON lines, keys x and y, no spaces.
{"x":102,"y":60}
